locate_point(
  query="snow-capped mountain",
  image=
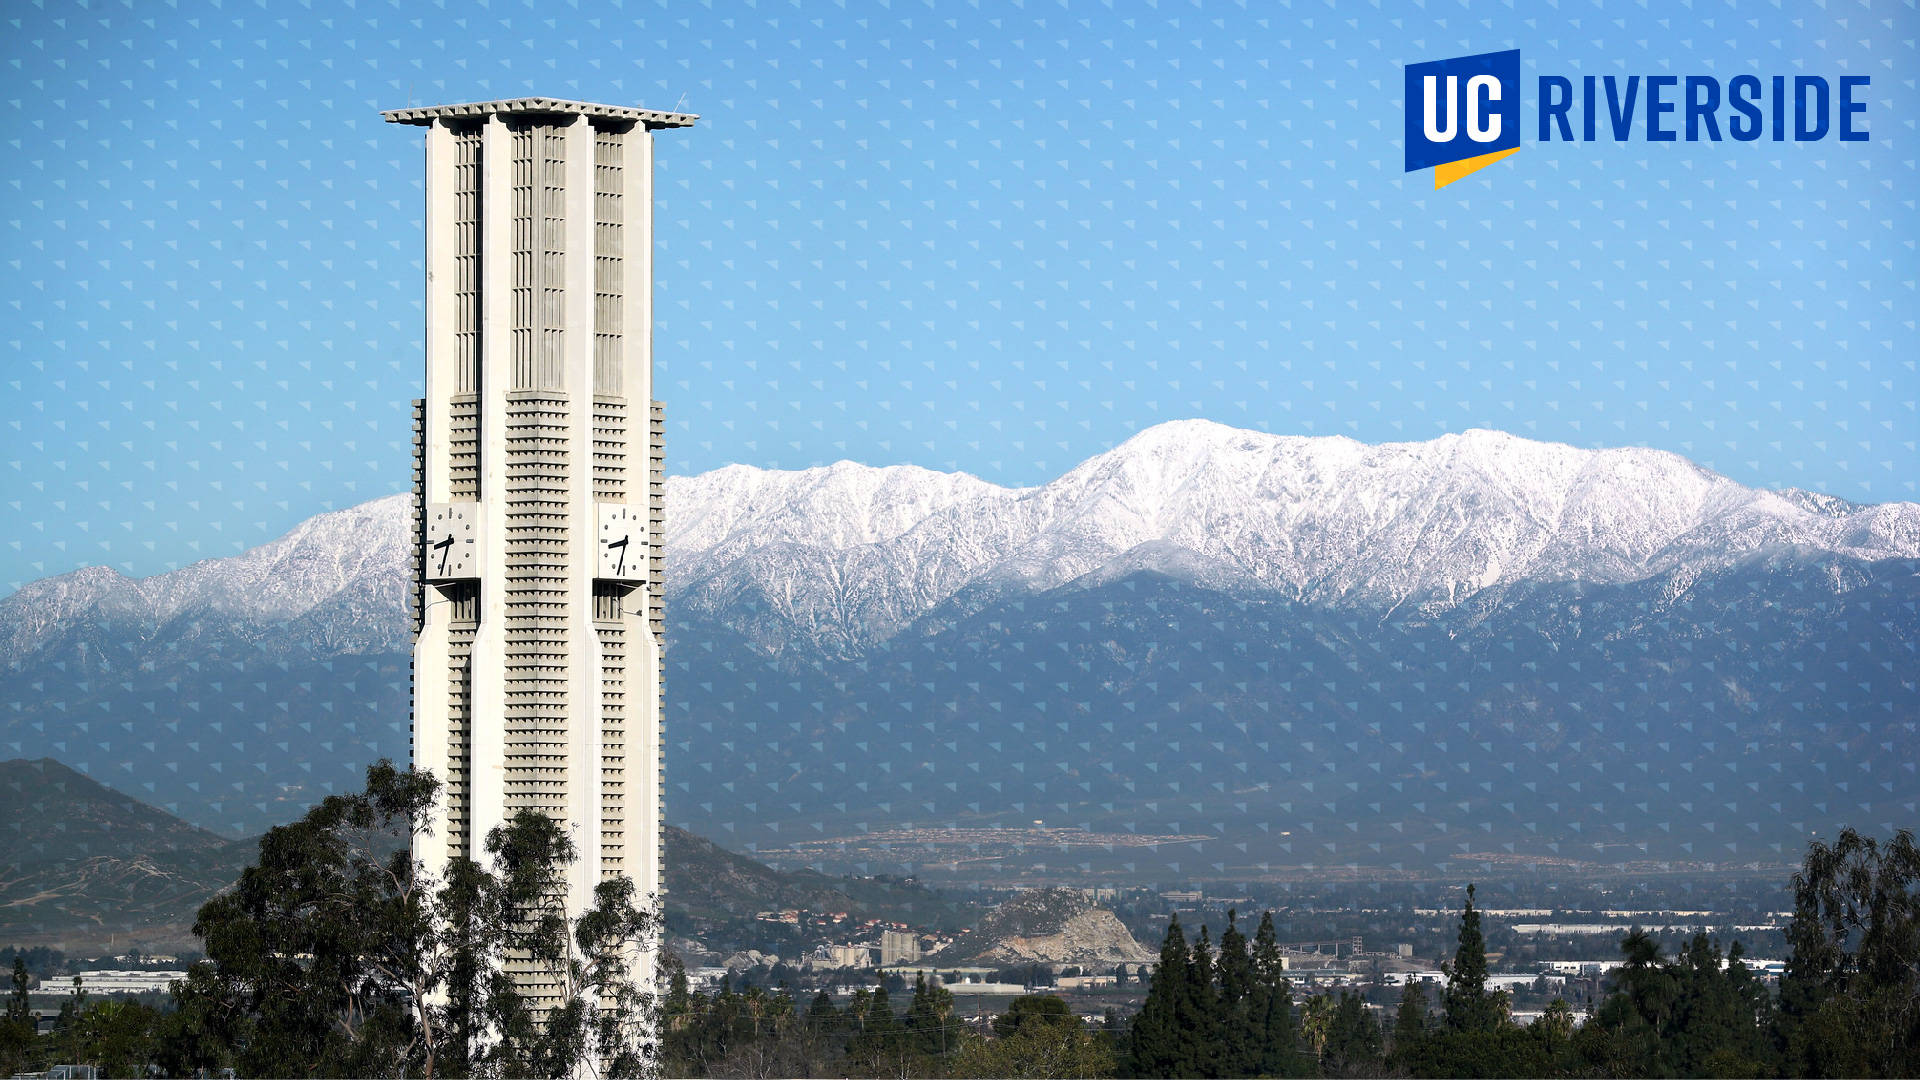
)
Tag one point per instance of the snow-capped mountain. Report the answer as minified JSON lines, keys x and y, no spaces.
{"x":850,"y":555}
{"x":1310,"y":648}
{"x":338,"y":578}
{"x":853,"y":555}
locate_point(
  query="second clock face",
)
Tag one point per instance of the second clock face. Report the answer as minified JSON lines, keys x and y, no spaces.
{"x":452,"y":541}
{"x":622,"y":542}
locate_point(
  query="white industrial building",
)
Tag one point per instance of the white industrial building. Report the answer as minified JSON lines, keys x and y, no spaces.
{"x":898,"y":947}
{"x":119,"y":982}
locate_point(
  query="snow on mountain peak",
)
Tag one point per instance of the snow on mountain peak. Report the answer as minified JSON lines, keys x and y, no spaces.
{"x":848,"y":555}
{"x":351,"y":560}
{"x":839,"y":505}
{"x":1322,"y":519}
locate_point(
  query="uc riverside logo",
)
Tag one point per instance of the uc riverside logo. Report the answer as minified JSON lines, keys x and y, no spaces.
{"x":1463,"y":114}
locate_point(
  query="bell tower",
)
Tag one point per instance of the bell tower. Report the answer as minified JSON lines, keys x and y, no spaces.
{"x":538,"y":496}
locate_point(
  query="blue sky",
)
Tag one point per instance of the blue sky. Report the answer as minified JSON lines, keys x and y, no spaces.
{"x":991,"y":237}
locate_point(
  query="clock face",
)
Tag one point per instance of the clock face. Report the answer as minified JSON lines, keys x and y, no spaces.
{"x":623,"y":543}
{"x":452,"y":541}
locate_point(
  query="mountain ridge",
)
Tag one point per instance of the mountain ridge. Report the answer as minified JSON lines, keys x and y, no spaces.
{"x":845,"y":556}
{"x":124,"y":869}
{"x":82,"y":858}
{"x":1279,"y":641}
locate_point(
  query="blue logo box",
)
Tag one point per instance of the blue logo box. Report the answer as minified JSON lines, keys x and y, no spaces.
{"x":1462,"y":108}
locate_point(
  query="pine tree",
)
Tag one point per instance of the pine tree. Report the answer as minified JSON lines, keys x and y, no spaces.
{"x":1752,"y":1011}
{"x":1468,"y":1004}
{"x":1238,"y":1041}
{"x":679,"y":996}
{"x":1705,"y":1017}
{"x":17,"y":1037}
{"x":880,"y":1045}
{"x":1623,"y":1038}
{"x":1155,"y":1035}
{"x":930,"y":1019}
{"x":1410,"y":1025}
{"x":821,"y":1015}
{"x":1695,"y":1015}
{"x":1353,"y":1040}
{"x":18,"y":1008}
{"x":1199,"y":1014}
{"x":1270,"y":1009}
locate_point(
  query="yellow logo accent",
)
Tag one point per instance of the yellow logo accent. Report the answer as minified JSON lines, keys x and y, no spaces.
{"x":1454,"y":170}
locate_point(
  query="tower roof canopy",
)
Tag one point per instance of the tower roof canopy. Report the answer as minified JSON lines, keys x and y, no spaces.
{"x":537,"y":106}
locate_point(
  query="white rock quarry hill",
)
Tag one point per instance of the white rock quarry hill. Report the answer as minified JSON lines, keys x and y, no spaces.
{"x":1060,"y":927}
{"x":850,"y":554}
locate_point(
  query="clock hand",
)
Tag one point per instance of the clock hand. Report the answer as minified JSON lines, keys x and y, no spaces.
{"x":445,"y":548}
{"x":621,"y":566}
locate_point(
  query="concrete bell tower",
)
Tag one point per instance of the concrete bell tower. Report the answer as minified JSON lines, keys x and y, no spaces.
{"x":537,"y":486}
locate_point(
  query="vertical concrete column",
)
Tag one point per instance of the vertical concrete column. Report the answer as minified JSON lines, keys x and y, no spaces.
{"x":430,"y":687}
{"x":644,"y":761}
{"x":583,"y":651}
{"x":488,"y":777}
{"x":637,"y":260}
